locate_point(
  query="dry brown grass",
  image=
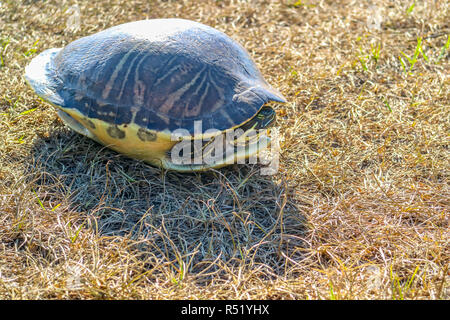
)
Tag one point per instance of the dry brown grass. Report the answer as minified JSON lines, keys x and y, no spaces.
{"x":358,"y":210}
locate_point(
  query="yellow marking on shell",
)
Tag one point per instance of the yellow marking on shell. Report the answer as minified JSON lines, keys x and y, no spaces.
{"x":139,"y":92}
{"x":227,"y":116}
{"x":175,"y":96}
{"x":152,"y":152}
{"x":134,"y":111}
{"x":112,"y":79}
{"x":101,"y":104}
{"x":78,"y":96}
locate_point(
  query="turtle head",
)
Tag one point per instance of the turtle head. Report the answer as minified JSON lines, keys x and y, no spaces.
{"x":265,"y":117}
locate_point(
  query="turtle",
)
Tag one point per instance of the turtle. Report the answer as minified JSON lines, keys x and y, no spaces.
{"x":132,"y":86}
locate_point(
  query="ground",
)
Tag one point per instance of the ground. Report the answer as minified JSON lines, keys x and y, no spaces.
{"x":359,"y":208}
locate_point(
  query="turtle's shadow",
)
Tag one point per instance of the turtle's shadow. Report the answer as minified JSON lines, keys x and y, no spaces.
{"x":220,"y":214}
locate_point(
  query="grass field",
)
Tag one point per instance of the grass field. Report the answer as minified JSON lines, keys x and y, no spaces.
{"x":359,"y":208}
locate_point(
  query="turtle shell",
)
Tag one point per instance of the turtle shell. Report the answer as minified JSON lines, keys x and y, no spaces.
{"x":161,"y":74}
